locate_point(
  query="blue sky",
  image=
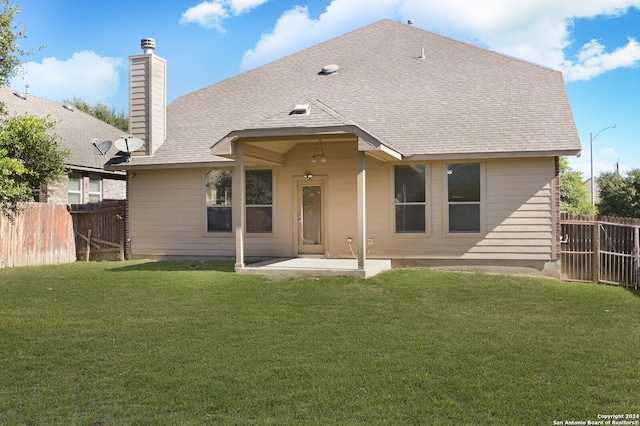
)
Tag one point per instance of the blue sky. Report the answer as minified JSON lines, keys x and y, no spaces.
{"x":595,"y":43}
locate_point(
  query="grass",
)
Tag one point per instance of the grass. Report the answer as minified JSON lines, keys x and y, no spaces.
{"x":193,"y":343}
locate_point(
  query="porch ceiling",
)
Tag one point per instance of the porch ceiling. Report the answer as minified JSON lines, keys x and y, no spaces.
{"x":266,"y":146}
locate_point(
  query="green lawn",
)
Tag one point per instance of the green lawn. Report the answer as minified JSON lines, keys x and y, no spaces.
{"x":194,"y":343}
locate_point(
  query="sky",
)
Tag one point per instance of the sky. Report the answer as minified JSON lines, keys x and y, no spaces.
{"x":81,"y":48}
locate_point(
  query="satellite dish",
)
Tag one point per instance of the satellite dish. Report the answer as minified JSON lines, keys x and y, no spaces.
{"x":128,"y":144}
{"x":101,"y":148}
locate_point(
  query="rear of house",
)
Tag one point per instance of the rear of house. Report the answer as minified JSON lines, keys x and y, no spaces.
{"x":388,"y":142}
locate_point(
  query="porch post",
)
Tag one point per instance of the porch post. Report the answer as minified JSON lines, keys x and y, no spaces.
{"x":238,"y":204}
{"x":362,"y":212}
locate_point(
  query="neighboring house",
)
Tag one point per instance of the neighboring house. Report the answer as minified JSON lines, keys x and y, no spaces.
{"x":87,"y":181}
{"x":388,"y":142}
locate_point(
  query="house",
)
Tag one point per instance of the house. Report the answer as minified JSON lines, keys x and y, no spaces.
{"x":87,"y":181}
{"x":388,"y":142}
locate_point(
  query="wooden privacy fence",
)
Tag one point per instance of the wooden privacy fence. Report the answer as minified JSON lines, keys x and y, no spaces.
{"x":601,"y":249}
{"x":100,"y":230}
{"x":41,"y":234}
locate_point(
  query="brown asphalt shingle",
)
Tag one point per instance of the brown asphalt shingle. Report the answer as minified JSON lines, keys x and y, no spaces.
{"x":74,"y":130}
{"x":459,"y":100}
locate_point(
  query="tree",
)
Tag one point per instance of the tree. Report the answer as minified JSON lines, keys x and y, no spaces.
{"x":13,"y":188}
{"x":574,"y":197}
{"x":15,"y":176}
{"x":10,"y":52}
{"x":619,"y":195}
{"x":103,"y":112}
{"x":29,"y":141}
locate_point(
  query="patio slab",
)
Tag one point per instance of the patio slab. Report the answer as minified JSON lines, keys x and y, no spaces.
{"x":309,"y":266}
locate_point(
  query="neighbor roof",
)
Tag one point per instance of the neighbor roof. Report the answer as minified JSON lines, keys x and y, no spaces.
{"x":459,"y":100}
{"x":75,"y":129}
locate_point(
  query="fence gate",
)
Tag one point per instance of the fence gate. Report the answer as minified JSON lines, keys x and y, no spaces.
{"x":600,"y":249}
{"x":100,"y":230}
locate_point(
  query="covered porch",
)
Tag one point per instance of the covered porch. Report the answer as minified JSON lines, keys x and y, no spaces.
{"x":270,"y":147}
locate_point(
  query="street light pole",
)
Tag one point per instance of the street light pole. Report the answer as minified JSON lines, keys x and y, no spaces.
{"x":593,"y":183}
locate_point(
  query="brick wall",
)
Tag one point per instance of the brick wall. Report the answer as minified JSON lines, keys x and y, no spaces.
{"x":57,"y":193}
{"x":114,"y":189}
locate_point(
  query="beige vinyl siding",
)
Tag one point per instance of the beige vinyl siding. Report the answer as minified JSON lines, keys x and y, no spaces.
{"x":138,"y":96}
{"x":520,"y":220}
{"x":168,"y":212}
{"x":147,"y":100}
{"x":517,"y":219}
{"x":165,"y":213}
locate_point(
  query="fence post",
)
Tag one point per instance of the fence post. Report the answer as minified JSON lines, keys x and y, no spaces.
{"x":595,"y":246}
{"x":636,"y":249}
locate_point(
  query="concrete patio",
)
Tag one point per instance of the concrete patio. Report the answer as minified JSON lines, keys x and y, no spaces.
{"x":315,"y":267}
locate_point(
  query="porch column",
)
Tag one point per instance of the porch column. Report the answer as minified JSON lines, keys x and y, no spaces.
{"x":362,"y":212}
{"x":238,"y":191}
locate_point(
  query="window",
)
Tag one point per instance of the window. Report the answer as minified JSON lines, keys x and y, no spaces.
{"x":95,"y":189}
{"x":218,"y":199}
{"x":464,"y":197}
{"x":259,"y":201}
{"x":74,"y":188}
{"x":410,"y":206}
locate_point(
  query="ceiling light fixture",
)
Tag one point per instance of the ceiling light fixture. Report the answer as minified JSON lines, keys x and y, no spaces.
{"x":318,"y":153}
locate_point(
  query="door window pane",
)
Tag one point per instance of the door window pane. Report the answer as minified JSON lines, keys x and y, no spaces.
{"x":312,"y":215}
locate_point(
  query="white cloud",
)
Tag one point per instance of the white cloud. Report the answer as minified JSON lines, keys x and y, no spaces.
{"x":241,"y":6}
{"x":210,"y":14}
{"x":206,"y":14}
{"x":85,"y":75}
{"x":535,"y":30}
{"x":296,"y":30}
{"x":593,"y":60}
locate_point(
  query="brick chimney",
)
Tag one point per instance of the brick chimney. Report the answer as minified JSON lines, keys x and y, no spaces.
{"x":148,"y":97}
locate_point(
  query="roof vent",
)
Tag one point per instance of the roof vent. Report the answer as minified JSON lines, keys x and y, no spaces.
{"x":301,"y":110}
{"x":329,"y":69}
{"x":148,"y":45}
{"x":410,"y":22}
{"x":24,"y":96}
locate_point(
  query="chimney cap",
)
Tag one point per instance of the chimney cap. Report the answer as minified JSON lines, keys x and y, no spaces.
{"x":148,"y":45}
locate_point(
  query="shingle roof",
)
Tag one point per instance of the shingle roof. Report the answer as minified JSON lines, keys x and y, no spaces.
{"x":459,"y":100}
{"x":74,"y":129}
